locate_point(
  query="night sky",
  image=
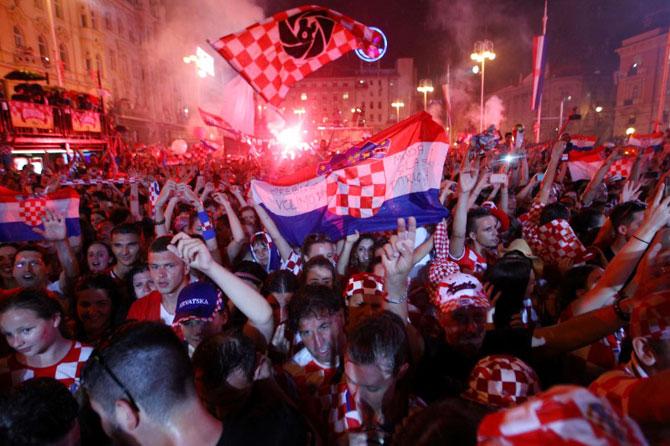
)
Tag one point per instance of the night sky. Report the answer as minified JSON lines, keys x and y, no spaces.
{"x":582,"y":34}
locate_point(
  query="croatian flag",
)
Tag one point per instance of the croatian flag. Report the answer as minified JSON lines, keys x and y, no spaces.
{"x":19,"y":214}
{"x":583,"y":164}
{"x":654,"y":140}
{"x":401,"y":179}
{"x":583,"y":142}
{"x":539,"y":60}
{"x":217,"y":121}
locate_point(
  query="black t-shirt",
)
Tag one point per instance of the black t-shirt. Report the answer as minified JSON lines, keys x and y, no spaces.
{"x":443,"y":371}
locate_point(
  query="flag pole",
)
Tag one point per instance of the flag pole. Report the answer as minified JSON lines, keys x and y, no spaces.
{"x":664,"y":83}
{"x":539,"y":108}
{"x":448,"y":98}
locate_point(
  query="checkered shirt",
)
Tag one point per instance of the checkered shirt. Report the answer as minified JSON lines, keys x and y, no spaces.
{"x":501,"y":381}
{"x":651,"y":317}
{"x":618,"y":385}
{"x":345,"y":417}
{"x":260,"y":53}
{"x":530,"y":223}
{"x":471,"y":262}
{"x":312,"y":379}
{"x":67,"y":370}
{"x":358,"y":191}
{"x":564,"y":415}
{"x":441,"y":266}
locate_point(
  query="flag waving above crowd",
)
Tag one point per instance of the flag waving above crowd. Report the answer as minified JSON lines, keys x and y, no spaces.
{"x":274,"y":54}
{"x":401,"y":179}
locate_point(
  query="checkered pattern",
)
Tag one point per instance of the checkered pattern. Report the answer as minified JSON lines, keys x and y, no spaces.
{"x":530,"y":223}
{"x":501,"y":381}
{"x":651,"y":317}
{"x":565,"y":415}
{"x":257,"y":52}
{"x":441,"y":266}
{"x":560,"y":245}
{"x":364,"y":283}
{"x":67,"y":370}
{"x":620,"y":169}
{"x":154,"y":192}
{"x":357,"y":191}
{"x":312,"y":379}
{"x":293,"y":263}
{"x":459,"y":290}
{"x":31,"y":210}
{"x":618,"y":385}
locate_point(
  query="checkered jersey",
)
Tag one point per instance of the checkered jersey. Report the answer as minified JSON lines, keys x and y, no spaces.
{"x":530,"y":223}
{"x":274,"y":54}
{"x":358,"y":191}
{"x":346,"y":417}
{"x":564,"y":415}
{"x":312,"y":379}
{"x":471,"y":262}
{"x":440,"y":265}
{"x":67,"y":370}
{"x":618,"y":385}
{"x":501,"y":381}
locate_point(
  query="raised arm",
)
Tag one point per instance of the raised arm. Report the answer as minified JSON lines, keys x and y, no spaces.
{"x":159,"y":215}
{"x":591,"y":188}
{"x":345,"y":255}
{"x":55,"y":231}
{"x":254,"y":306}
{"x":550,"y":173}
{"x":282,"y":245}
{"x":235,"y":245}
{"x":466,"y":182}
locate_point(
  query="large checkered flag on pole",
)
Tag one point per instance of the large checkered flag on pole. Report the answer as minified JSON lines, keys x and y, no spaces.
{"x":274,"y":54}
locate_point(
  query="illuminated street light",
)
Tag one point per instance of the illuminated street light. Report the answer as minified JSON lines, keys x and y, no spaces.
{"x":299,"y":111}
{"x":599,"y":109}
{"x":425,"y":87}
{"x":303,"y":96}
{"x":475,"y":69}
{"x":483,"y":51}
{"x":204,"y":63}
{"x":560,"y":113}
{"x":397,"y":104}
{"x":630,"y":131}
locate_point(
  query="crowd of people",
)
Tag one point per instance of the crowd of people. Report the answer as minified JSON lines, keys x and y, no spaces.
{"x":537,"y":313}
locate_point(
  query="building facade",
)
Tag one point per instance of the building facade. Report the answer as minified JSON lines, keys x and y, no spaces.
{"x":590,"y":96}
{"x":360,"y":97}
{"x":100,"y":48}
{"x":639,"y":83}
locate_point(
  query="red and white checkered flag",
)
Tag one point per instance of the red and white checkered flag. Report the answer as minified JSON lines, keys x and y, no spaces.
{"x":274,"y":54}
{"x":620,"y":169}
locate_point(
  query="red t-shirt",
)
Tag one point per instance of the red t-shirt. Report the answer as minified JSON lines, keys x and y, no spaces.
{"x":67,"y":370}
{"x":147,"y":308}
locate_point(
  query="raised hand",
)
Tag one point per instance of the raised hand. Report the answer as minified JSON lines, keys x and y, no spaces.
{"x":54,"y":227}
{"x":353,"y":238}
{"x":399,"y":252}
{"x":192,"y":251}
{"x":629,"y":192}
{"x":467,"y":179}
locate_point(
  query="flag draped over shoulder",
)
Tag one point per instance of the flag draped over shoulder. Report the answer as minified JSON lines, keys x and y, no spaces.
{"x":19,"y":214}
{"x":396,"y":173}
{"x":274,"y":54}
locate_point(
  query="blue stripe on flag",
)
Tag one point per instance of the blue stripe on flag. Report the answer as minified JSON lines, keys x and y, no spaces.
{"x":20,"y":232}
{"x":424,"y":206}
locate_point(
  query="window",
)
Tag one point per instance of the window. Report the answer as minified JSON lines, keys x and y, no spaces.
{"x":379,"y":82}
{"x":83,"y":17}
{"x":98,"y":64}
{"x":631,"y":120}
{"x":94,"y":20}
{"x":345,"y":95}
{"x":633,"y":69}
{"x":42,"y":47}
{"x":112,"y":60}
{"x":379,"y":105}
{"x":108,"y":22}
{"x":379,"y":117}
{"x":19,"y":40}
{"x":39,"y":4}
{"x":58,"y":9}
{"x":119,"y":25}
{"x":64,"y":58}
{"x":88,"y":61}
{"x":372,"y":105}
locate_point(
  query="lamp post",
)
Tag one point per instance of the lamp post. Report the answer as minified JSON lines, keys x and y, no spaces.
{"x":560,"y":111}
{"x":483,"y":51}
{"x":425,"y":87}
{"x":397,"y":104}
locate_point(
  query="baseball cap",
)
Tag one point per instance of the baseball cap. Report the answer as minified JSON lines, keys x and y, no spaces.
{"x":198,"y":300}
{"x":460,"y":290}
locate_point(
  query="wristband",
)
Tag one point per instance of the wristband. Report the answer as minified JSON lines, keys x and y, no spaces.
{"x":207,"y":229}
{"x":400,"y":300}
{"x":619,"y":312}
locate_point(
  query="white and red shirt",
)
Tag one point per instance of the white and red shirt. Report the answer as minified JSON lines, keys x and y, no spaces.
{"x":618,"y":385}
{"x":470,"y":262}
{"x":67,"y":370}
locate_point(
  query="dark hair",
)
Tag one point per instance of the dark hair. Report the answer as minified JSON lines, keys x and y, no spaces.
{"x":33,"y":299}
{"x":33,"y":248}
{"x":353,"y":261}
{"x":313,"y":239}
{"x":137,"y":269}
{"x":474,"y":215}
{"x":119,"y":216}
{"x":585,"y":224}
{"x":623,"y":213}
{"x":105,"y":283}
{"x":312,"y":301}
{"x":318,"y":262}
{"x":280,"y":281}
{"x":160,"y":244}
{"x":126,"y":228}
{"x":110,"y":253}
{"x":13,"y":245}
{"x":553,"y":212}
{"x":574,"y":280}
{"x":151,"y":363}
{"x":509,"y":276}
{"x":219,"y":355}
{"x":38,"y":411}
{"x":248,"y":270}
{"x":379,"y":337}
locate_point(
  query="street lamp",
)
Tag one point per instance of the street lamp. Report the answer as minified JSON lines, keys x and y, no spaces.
{"x":598,"y":109}
{"x":397,"y":104}
{"x":425,"y":87}
{"x":483,"y":51}
{"x":630,"y":131}
{"x":299,"y":111}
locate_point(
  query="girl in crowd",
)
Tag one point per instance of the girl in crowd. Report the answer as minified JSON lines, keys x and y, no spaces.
{"x":99,"y":256}
{"x":30,"y":321}
{"x":140,"y":282}
{"x":99,"y":307}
